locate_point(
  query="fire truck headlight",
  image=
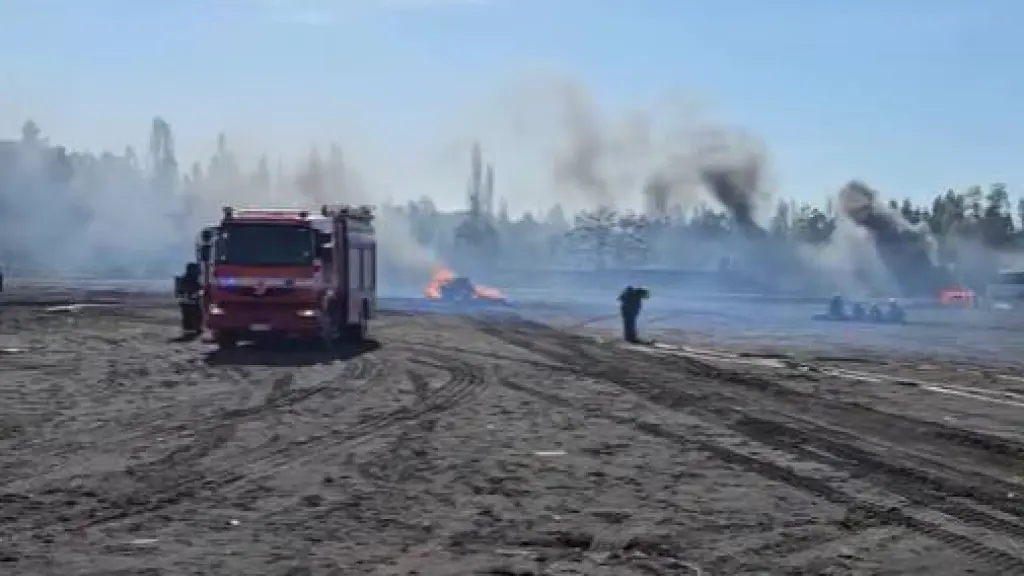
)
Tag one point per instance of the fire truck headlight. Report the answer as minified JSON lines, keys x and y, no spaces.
{"x":216,"y":310}
{"x":308,"y":313}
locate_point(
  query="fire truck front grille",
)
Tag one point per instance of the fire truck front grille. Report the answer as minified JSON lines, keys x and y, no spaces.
{"x":260,"y":308}
{"x":270,"y":291}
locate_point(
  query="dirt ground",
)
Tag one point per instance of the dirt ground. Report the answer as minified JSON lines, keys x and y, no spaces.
{"x":468,"y":446}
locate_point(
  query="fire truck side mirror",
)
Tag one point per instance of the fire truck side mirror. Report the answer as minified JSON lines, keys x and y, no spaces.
{"x":323,"y":246}
{"x":324,"y":252}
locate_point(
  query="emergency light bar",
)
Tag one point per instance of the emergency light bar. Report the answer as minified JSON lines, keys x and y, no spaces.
{"x":230,"y":213}
{"x":364,"y":212}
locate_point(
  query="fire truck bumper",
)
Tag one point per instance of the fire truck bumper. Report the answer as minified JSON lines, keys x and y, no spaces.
{"x":297,"y":321}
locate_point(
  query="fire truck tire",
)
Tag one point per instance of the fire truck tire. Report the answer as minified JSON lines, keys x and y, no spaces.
{"x":333,"y":328}
{"x":358,"y":332}
{"x":226,"y":340}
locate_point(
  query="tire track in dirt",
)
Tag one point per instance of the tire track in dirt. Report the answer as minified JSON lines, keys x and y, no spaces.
{"x":464,"y":382}
{"x":145,"y":422}
{"x":101,"y":396}
{"x":664,"y":394}
{"x":174,"y":477}
{"x":868,"y":512}
{"x":92,"y":385}
{"x":909,"y":427}
{"x":924,"y":487}
{"x":355,"y":374}
{"x":938,"y":476}
{"x":403,"y":454}
{"x":933,"y":491}
{"x":996,"y":445}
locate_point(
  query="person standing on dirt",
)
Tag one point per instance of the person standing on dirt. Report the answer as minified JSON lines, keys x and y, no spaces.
{"x":188,"y":293}
{"x":630,"y":301}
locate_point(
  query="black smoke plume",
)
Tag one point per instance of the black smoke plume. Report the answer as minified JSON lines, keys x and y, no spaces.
{"x":907,"y":250}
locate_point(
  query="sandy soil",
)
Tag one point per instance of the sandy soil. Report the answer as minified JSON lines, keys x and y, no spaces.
{"x":467,"y":446}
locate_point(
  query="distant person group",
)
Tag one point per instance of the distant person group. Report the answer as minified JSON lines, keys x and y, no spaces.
{"x":894,"y":313}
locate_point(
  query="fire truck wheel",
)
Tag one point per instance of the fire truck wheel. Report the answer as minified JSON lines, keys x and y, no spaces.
{"x":333,"y":331}
{"x":358,"y":332}
{"x":226,"y":340}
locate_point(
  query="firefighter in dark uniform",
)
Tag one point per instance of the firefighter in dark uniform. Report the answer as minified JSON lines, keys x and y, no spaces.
{"x":187,"y":289}
{"x":630,"y":301}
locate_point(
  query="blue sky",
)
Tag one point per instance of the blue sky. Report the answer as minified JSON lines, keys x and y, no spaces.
{"x":912,"y":96}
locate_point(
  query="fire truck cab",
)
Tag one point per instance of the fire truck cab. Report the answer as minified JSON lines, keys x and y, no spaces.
{"x":288,"y":273}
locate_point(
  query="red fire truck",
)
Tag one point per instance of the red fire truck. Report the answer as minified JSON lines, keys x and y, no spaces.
{"x":289,"y":273}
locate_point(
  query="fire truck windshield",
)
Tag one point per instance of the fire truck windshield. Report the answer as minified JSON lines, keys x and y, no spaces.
{"x":251,"y":244}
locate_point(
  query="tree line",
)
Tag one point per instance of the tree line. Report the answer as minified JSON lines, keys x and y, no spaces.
{"x":88,"y":191}
{"x":704,"y":235}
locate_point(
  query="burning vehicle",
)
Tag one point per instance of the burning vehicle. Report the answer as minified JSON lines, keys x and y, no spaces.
{"x":445,"y":286}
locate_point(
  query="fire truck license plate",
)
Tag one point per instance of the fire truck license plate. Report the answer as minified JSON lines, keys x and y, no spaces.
{"x":259,"y":327}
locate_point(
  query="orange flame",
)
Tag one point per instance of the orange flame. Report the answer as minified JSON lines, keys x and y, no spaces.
{"x":443,"y":275}
{"x":440,"y":277}
{"x":489,"y":293}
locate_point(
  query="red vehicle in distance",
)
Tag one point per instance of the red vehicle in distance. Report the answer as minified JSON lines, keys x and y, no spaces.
{"x":288,"y":273}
